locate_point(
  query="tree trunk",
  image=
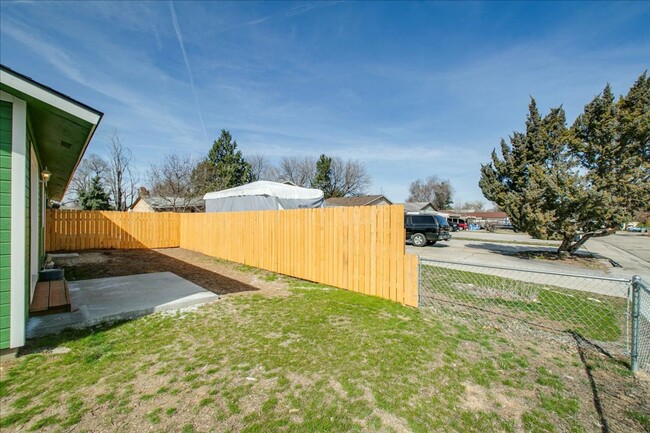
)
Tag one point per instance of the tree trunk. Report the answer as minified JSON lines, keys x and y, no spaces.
{"x":584,"y":238}
{"x":567,"y":247}
{"x":563,"y":250}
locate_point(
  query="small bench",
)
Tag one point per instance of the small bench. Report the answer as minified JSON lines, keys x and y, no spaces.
{"x":50,"y":297}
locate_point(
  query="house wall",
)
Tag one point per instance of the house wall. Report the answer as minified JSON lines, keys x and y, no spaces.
{"x":5,"y":221}
{"x":141,"y":206}
{"x":15,"y":213}
{"x":379,"y":202}
{"x":22,"y":194}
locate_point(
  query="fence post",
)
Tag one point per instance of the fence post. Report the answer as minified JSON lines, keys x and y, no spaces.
{"x":636,"y":315}
{"x":419,"y":281}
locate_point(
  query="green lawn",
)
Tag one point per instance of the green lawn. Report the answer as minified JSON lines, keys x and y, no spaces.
{"x":315,"y":360}
{"x":596,"y":317}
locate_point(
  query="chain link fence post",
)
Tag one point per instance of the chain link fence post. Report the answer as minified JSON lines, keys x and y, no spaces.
{"x":636,"y":315}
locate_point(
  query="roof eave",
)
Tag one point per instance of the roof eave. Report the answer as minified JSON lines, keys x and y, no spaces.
{"x":81,"y":155}
{"x":24,"y":87}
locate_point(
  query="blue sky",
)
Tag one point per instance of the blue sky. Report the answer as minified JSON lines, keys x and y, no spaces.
{"x":410,"y":89}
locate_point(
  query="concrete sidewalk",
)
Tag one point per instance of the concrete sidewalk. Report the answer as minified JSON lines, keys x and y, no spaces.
{"x":120,"y":298}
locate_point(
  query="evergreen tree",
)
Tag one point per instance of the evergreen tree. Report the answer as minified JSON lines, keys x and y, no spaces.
{"x":613,"y":144}
{"x":574,"y":184}
{"x":323,"y":178}
{"x":225,"y":167}
{"x":95,"y":197}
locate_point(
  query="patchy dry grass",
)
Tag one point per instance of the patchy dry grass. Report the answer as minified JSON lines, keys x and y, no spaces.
{"x":597,"y":317}
{"x":319,"y":359}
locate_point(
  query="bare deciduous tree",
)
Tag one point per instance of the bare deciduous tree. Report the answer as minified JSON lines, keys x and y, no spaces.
{"x":300,"y":171}
{"x":261,"y":168}
{"x":349,"y":177}
{"x":122,"y":176}
{"x":171,"y":181}
{"x":433,"y":190}
{"x":494,"y":207}
{"x":90,"y":167}
{"x":205,"y":178}
{"x":474,"y":206}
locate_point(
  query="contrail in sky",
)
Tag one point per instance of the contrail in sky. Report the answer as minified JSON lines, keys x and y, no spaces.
{"x":179,"y":35}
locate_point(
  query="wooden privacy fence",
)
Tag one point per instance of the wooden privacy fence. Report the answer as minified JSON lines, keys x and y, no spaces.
{"x":82,"y":230}
{"x":355,"y":248}
{"x":361,"y":249}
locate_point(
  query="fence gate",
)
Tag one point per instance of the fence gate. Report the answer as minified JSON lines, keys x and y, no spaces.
{"x":599,"y":309}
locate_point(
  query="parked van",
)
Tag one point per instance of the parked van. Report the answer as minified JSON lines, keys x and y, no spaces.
{"x":425,"y":228}
{"x":458,"y":223}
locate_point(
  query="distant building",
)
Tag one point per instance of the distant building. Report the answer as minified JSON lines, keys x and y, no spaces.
{"x":361,"y":200}
{"x":167,"y":204}
{"x":483,"y":218}
{"x":68,"y":205}
{"x":419,"y":206}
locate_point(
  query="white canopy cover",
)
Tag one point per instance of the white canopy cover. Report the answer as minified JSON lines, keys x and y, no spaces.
{"x":263,"y":195}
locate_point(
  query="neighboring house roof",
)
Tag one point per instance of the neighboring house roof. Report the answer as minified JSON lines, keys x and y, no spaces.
{"x":417,"y":206}
{"x":164,"y":203}
{"x":361,"y":200}
{"x":49,"y":111}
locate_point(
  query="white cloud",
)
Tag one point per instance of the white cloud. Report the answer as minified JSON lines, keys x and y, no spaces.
{"x":141,"y":107}
{"x":179,"y":36}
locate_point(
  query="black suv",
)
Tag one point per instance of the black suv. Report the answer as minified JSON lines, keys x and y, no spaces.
{"x":423,"y":229}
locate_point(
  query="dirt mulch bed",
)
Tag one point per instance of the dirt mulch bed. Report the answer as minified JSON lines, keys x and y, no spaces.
{"x":581,"y":259}
{"x":218,"y":276}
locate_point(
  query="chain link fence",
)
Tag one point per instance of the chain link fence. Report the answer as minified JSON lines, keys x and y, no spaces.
{"x":640,"y":325}
{"x":594,"y":308}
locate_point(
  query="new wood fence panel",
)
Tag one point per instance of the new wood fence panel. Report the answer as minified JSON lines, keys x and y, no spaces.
{"x":359,"y":249}
{"x":79,"y":230}
{"x":386,"y":253}
{"x":397,"y":248}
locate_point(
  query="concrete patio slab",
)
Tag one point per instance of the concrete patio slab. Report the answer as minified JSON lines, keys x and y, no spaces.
{"x":120,"y":298}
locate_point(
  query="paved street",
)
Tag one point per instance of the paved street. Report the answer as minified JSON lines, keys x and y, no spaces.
{"x":630,"y":254}
{"x":630,"y":250}
{"x":633,"y":243}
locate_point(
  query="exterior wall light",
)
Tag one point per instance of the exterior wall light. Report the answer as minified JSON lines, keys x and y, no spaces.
{"x":45,"y":175}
